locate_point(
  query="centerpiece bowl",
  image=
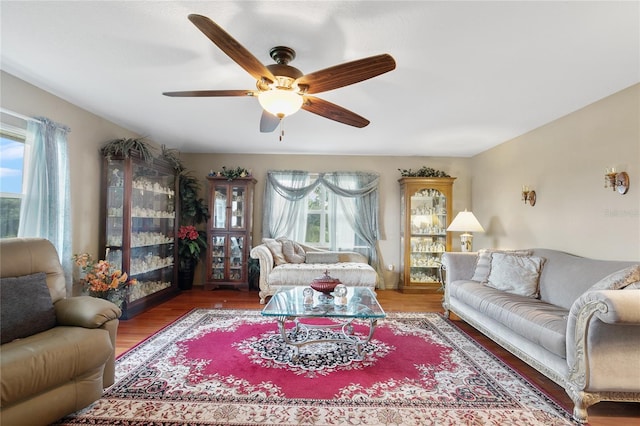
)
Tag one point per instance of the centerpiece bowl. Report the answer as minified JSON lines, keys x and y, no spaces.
{"x":325,"y":284}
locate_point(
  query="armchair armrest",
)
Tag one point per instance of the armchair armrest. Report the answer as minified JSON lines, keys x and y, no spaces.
{"x":85,"y":311}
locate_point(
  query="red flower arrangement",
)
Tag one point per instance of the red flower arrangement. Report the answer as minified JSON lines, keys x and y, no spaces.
{"x":191,"y":242}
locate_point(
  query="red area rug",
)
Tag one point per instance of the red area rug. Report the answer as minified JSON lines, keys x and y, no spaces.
{"x":231,"y":367}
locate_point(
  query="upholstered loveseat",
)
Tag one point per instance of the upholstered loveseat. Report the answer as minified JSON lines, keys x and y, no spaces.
{"x":57,"y":353}
{"x":286,"y":263}
{"x":574,"y":319}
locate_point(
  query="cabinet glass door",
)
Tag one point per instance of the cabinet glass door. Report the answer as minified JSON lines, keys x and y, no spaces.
{"x":237,"y":207}
{"x":428,"y":219}
{"x":115,"y":212}
{"x":220,"y":208}
{"x":236,"y":260}
{"x":152,"y":231}
{"x":218,"y":254}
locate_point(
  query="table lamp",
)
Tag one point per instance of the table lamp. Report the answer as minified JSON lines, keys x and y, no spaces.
{"x":466,"y":223}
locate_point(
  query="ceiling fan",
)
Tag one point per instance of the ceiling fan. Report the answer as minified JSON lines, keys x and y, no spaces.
{"x":282,"y":89}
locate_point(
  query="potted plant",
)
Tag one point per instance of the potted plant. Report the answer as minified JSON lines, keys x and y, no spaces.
{"x":125,"y":146}
{"x":191,"y":244}
{"x":193,"y":212}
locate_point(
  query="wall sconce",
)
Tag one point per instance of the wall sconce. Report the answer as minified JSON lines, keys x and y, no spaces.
{"x":528,"y":195}
{"x":617,"y":181}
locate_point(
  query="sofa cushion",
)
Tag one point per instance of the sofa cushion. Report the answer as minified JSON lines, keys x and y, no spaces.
{"x":349,"y":273}
{"x":292,"y":251}
{"x":323,"y":257}
{"x":515,"y":274}
{"x":537,"y":321}
{"x":619,"y":279}
{"x":49,"y":359}
{"x":275,"y":247}
{"x":483,"y":263}
{"x":25,"y":306}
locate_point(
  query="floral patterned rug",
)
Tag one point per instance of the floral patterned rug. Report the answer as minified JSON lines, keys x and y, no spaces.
{"x":231,"y":367}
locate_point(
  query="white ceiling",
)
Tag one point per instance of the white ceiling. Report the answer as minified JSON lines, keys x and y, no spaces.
{"x":469,"y":76}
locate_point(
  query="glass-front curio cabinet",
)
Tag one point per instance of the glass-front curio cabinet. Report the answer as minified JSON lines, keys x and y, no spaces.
{"x":141,"y":227}
{"x":425,"y":214}
{"x":229,"y":231}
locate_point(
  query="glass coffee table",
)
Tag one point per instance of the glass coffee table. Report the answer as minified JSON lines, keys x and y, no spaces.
{"x":288,"y":304}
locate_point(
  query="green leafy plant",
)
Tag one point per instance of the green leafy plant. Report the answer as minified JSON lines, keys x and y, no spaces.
{"x":172,"y":156}
{"x":423,"y":172}
{"x":125,"y":146}
{"x":230,"y":174}
{"x":193,"y":209}
{"x":253,"y":270}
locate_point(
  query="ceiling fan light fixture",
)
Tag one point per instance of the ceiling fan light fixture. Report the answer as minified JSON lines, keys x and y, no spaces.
{"x":280,"y":103}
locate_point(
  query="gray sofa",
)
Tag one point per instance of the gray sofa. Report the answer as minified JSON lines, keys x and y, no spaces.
{"x":57,"y":353}
{"x":301,"y":267}
{"x":582,"y":337}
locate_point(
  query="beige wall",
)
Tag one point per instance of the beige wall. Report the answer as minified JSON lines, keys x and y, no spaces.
{"x":387,"y":167}
{"x":88,"y":133}
{"x":564,"y":162}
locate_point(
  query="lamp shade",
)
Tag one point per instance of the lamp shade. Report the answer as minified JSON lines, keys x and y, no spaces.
{"x":280,"y":103}
{"x":465,"y":222}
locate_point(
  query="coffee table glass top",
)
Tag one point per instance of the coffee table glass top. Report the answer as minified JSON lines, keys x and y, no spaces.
{"x":289,"y":302}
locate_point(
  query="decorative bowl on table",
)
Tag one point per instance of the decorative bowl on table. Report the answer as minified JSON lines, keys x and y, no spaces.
{"x":325,"y":284}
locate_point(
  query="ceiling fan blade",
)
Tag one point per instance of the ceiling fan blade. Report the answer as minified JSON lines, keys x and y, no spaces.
{"x":347,"y":73}
{"x":209,"y":93}
{"x":231,"y":47}
{"x":268,"y":122}
{"x":333,"y":112}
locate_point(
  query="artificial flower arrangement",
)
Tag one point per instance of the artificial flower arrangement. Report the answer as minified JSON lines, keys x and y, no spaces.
{"x":100,"y":279}
{"x":423,"y":172}
{"x":230,"y":174}
{"x":191,"y":242}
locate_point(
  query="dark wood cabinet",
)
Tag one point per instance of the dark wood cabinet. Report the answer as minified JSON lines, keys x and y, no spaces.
{"x":425,"y":215}
{"x":229,"y":231}
{"x":140,"y":228}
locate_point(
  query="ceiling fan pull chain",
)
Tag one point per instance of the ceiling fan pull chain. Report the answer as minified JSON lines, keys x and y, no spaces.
{"x":281,"y":129}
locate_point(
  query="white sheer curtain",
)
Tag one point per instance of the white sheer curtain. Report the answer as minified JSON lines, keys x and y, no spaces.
{"x":284,"y":201}
{"x":357,"y":192}
{"x":45,"y":210}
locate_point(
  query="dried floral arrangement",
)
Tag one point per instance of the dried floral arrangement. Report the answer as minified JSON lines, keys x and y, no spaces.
{"x":423,"y":172}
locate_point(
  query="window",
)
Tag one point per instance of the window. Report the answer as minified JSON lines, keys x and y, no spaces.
{"x":335,"y":211}
{"x":12,"y":162}
{"x":326,"y":224}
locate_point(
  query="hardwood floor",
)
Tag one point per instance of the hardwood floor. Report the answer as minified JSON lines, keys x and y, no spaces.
{"x":135,"y":330}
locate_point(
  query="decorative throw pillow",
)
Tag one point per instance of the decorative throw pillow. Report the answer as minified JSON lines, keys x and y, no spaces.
{"x":292,"y":251}
{"x":515,"y":274}
{"x":483,"y":265}
{"x":619,"y":279}
{"x":26,"y":307}
{"x":323,"y":257}
{"x":275,"y":247}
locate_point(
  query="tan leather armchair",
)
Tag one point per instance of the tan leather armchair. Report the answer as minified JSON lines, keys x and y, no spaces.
{"x":50,"y":374}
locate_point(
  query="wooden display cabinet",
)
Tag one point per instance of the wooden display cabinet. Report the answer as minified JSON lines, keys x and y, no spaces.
{"x":140,"y":228}
{"x":425,"y":215}
{"x":229,"y":232}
